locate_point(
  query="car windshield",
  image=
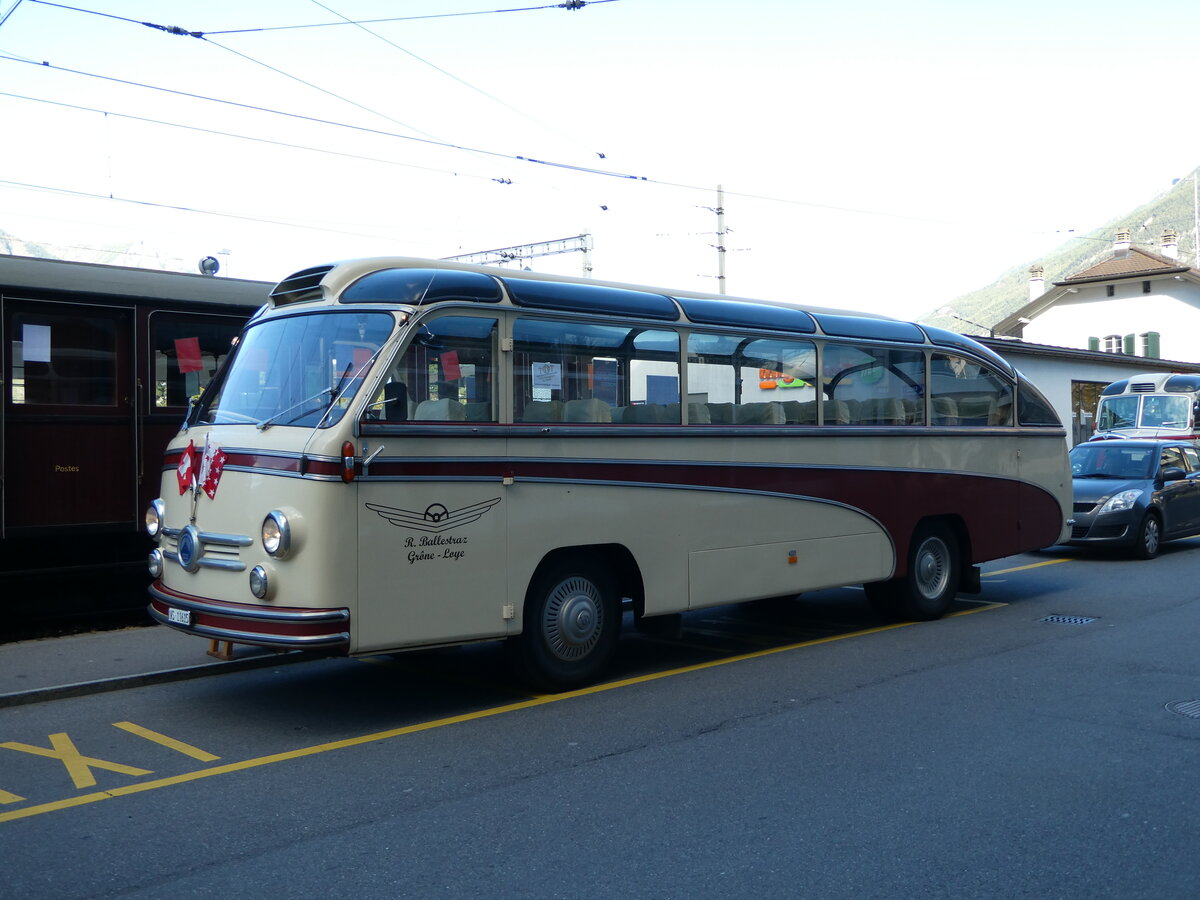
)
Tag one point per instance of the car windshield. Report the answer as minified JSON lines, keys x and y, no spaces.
{"x":300,"y":370}
{"x":1102,"y":459}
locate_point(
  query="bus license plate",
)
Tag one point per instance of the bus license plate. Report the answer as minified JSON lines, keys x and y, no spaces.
{"x":179,"y":616}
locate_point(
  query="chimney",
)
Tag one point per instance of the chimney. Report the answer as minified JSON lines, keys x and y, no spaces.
{"x":1037,"y":281}
{"x":1122,"y":244}
{"x":1170,"y":244}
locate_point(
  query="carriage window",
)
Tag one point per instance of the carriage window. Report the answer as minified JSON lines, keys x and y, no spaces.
{"x":445,"y":375}
{"x":63,"y":360}
{"x":584,"y":373}
{"x":873,"y":386}
{"x":965,"y":392}
{"x":187,"y":351}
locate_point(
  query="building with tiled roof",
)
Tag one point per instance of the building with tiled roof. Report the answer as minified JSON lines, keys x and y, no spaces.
{"x":1133,"y":302}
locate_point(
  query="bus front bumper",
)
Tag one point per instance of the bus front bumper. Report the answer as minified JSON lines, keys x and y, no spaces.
{"x":289,"y":628}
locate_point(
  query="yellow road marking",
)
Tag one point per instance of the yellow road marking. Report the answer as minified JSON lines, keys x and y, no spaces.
{"x":1037,"y":565}
{"x":6,"y":797}
{"x":532,"y":702}
{"x":79,"y":767}
{"x":169,"y":742}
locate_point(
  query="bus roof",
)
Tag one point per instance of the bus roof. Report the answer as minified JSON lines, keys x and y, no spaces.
{"x":389,"y":280}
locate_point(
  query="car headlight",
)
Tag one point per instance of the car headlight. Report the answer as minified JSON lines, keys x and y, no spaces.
{"x":1119,"y":502}
{"x":155,"y":513}
{"x":277,"y":534}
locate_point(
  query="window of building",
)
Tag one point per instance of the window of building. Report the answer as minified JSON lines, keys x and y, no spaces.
{"x":1113,"y":343}
{"x":1110,"y":290}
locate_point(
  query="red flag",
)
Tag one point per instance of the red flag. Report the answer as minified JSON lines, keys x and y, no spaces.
{"x":187,"y":351}
{"x":211,"y":467}
{"x":186,"y":468}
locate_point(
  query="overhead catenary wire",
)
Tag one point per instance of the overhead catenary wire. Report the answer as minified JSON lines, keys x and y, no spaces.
{"x":176,"y":30}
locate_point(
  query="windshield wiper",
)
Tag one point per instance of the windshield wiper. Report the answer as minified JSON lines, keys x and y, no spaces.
{"x":273,"y":420}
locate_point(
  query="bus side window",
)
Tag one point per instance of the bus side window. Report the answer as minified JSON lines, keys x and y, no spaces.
{"x":965,"y":392}
{"x":874,"y":386}
{"x":584,"y":373}
{"x":445,"y":375}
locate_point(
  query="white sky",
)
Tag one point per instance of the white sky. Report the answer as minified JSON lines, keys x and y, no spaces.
{"x":875,"y":155}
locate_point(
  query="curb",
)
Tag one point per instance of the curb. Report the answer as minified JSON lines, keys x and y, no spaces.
{"x":164,"y":676}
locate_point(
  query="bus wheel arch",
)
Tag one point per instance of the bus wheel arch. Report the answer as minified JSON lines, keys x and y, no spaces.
{"x":571,"y":618}
{"x":932,"y":576}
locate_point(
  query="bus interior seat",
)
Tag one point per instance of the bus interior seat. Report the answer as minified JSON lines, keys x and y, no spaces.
{"x":945,"y":411}
{"x":642,"y":414}
{"x":698,"y":414}
{"x":837,"y":412}
{"x":720,"y":413}
{"x":589,"y":409}
{"x":395,"y":402}
{"x":480,"y":411}
{"x":769,"y":413}
{"x":976,"y":410}
{"x":543,"y":411}
{"x":445,"y":410}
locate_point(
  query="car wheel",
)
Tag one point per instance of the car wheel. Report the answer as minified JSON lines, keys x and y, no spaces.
{"x":571,"y":623}
{"x":1149,"y":537}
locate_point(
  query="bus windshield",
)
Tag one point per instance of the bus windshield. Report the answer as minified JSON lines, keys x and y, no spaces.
{"x":300,"y":371}
{"x":1157,"y":411}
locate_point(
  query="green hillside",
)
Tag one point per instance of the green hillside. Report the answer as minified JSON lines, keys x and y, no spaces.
{"x":1009,"y":292}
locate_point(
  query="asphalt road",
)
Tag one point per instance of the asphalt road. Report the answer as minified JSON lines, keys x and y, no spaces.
{"x":792,"y":749}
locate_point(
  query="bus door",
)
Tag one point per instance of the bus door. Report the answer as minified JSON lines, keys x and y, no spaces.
{"x":432,"y":506}
{"x":68,"y":424}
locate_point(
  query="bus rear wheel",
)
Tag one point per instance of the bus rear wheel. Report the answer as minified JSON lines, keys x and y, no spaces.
{"x":571,"y":623}
{"x":925,"y":592}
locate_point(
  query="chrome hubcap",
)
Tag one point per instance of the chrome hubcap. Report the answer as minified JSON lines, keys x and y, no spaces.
{"x":573,"y":618}
{"x":932,"y":568}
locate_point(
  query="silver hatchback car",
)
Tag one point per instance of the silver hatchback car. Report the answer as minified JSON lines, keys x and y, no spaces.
{"x":1135,"y":493}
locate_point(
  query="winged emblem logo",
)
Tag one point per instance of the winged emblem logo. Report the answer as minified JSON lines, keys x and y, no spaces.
{"x":436,"y":518}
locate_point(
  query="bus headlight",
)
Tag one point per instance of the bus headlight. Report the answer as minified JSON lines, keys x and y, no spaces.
{"x":260,"y":582}
{"x":155,"y":513}
{"x":277,"y":534}
{"x":155,"y":563}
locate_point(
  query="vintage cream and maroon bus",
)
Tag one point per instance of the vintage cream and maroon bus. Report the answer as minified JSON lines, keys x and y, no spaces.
{"x":403,"y":453}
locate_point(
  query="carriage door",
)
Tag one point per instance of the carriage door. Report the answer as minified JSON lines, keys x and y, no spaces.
{"x":68,"y":417}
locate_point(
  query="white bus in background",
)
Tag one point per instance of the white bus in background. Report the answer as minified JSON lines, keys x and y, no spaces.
{"x":404,"y":453}
{"x":1152,"y":405}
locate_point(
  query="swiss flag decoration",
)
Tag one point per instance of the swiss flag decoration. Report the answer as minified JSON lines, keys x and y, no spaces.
{"x":211,"y":467}
{"x":186,"y":470}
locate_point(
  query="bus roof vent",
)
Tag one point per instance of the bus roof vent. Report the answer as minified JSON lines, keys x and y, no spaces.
{"x":1141,"y":387}
{"x":303,"y":285}
{"x":738,"y":313}
{"x":591,"y":298}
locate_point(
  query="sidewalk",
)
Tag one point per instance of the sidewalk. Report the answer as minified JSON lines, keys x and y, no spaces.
{"x":77,"y":664}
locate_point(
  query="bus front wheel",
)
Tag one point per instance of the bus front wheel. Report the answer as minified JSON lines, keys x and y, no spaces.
{"x":925,"y":592}
{"x":571,"y":623}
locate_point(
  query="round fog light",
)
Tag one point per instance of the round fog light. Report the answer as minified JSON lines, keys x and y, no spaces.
{"x":155,"y":563}
{"x":259,"y":585}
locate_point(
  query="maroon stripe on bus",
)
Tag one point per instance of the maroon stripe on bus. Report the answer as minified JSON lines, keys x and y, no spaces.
{"x":1002,"y":516}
